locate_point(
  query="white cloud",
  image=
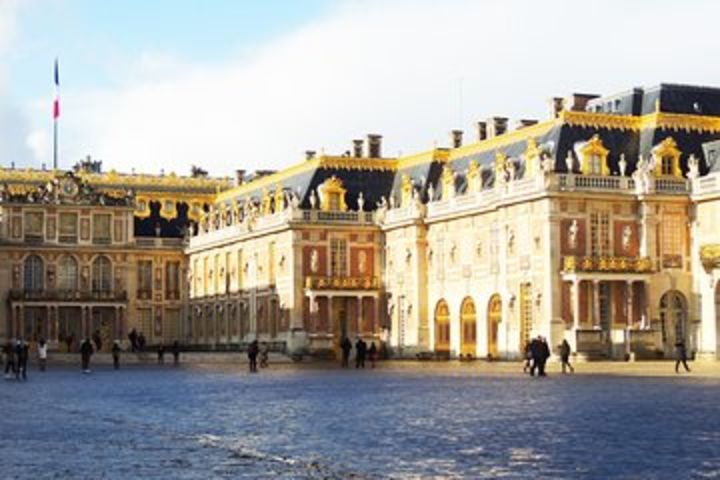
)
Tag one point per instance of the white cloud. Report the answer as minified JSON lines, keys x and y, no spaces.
{"x":383,"y":67}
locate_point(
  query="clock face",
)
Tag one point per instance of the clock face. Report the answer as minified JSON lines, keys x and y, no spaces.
{"x":69,"y":187}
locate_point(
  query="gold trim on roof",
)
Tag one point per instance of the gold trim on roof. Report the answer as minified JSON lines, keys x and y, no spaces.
{"x":330,"y":187}
{"x":504,"y":139}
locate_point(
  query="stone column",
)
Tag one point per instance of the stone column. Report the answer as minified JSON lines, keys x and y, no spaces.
{"x":21,"y":322}
{"x":630,"y":303}
{"x":596,"y":303}
{"x":575,"y":294}
{"x":83,"y":322}
{"x":359,"y":324}
{"x":313,"y":311}
{"x":329,"y":326}
{"x":646,"y":303}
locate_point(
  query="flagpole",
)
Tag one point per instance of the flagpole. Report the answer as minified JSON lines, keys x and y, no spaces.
{"x":56,"y":114}
{"x":55,"y":162}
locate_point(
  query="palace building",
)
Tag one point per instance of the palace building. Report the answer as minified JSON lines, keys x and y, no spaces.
{"x":599,"y":225}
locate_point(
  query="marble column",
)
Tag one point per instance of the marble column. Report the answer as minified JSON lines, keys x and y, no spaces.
{"x":596,"y":303}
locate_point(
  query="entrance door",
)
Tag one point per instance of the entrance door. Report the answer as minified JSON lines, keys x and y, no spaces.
{"x":70,"y":327}
{"x":340,"y":321}
{"x":468,"y":329}
{"x":103,"y":323}
{"x":673,"y":320}
{"x":35,"y":324}
{"x":493,"y":320}
{"x":442,"y":327}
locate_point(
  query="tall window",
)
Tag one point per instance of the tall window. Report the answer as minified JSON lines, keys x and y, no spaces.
{"x":666,"y":165}
{"x":673,"y":230}
{"x":68,"y":227}
{"x":172,"y":280}
{"x":334,"y":201}
{"x":144,"y":278}
{"x":595,"y":164}
{"x":600,"y":233}
{"x":338,"y":257}
{"x":101,"y":229}
{"x":102,"y":275}
{"x":34,"y":273}
{"x":526,"y":313}
{"x":34,"y":226}
{"x":67,"y":273}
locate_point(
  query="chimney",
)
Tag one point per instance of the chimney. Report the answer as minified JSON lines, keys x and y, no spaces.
{"x":358,"y":148}
{"x":481,"y":131}
{"x":578,"y":101}
{"x":239,"y":177}
{"x":309,"y":154}
{"x":374,"y":146}
{"x":522,"y":123}
{"x":456,"y":138}
{"x":496,"y":126}
{"x":557,"y":105}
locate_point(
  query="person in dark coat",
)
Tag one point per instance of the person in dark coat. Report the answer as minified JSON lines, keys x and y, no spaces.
{"x":175,"y":349}
{"x":86,"y":351}
{"x":22,"y":352}
{"x":528,"y":357}
{"x":565,"y":356}
{"x":97,"y":339}
{"x":161,"y":354}
{"x":544,"y":355}
{"x":141,"y":342}
{"x":360,"y":352}
{"x":681,"y":356}
{"x":346,"y":347}
{"x":534,"y":357}
{"x":133,"y":337}
{"x":116,"y":354}
{"x":373,"y":354}
{"x":10,"y":363}
{"x":252,"y":353}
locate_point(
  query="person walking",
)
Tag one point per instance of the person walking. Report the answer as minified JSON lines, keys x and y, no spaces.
{"x":544,"y":355}
{"x":86,"y":351}
{"x":565,"y":357}
{"x":264,"y":352}
{"x":22,"y":352}
{"x":534,"y":355}
{"x":360,"y":351}
{"x":252,"y":356}
{"x":161,"y":354}
{"x":175,"y":349}
{"x":346,"y":347}
{"x":528,"y":357}
{"x":141,"y":343}
{"x":133,"y":337}
{"x":97,"y":340}
{"x":116,"y":354}
{"x":681,"y":356}
{"x":10,"y":361}
{"x":372,"y":353}
{"x":42,"y":354}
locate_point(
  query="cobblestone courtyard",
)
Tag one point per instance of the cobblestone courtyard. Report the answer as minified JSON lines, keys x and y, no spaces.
{"x":406,"y":420}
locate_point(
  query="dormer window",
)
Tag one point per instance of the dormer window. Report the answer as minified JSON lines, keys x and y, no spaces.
{"x":593,"y":156}
{"x":595,"y":162}
{"x":667,"y":159}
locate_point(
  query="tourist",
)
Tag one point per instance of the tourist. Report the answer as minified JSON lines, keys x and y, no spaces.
{"x":42,"y":354}
{"x":681,"y":356}
{"x":346,"y":347}
{"x":161,"y":354}
{"x":544,"y":355}
{"x":133,"y":337}
{"x":528,"y":357}
{"x":534,"y":357}
{"x":565,"y":356}
{"x":360,"y":351}
{"x":86,"y":351}
{"x":10,"y":365}
{"x":22,"y":351}
{"x":141,"y":343}
{"x":264,"y":352}
{"x":252,"y":356}
{"x":176,"y":353}
{"x":372,"y":353}
{"x":116,"y":354}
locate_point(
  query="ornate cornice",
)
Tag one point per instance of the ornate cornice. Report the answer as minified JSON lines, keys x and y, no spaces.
{"x":662,"y":120}
{"x":504,"y":139}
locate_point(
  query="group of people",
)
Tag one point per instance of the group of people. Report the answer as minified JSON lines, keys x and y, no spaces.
{"x":137,"y":341}
{"x":254,"y":350}
{"x":537,"y":352}
{"x":361,"y":353}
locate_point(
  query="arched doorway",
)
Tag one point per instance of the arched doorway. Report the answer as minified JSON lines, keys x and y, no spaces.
{"x":673,"y":320}
{"x":493,"y":320}
{"x":468,"y":329}
{"x":442,"y":327}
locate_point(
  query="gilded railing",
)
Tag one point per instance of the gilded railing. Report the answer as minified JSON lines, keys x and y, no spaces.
{"x":573,"y":264}
{"x":341,"y":283}
{"x":710,"y":255}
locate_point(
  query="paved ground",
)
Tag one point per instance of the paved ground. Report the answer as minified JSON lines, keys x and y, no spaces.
{"x":406,"y":419}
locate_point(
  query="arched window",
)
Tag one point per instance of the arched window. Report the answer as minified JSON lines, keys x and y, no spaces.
{"x":67,"y":273}
{"x":34,"y":273}
{"x":101,"y":274}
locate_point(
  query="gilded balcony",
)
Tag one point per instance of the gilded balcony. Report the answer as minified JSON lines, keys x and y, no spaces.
{"x":606,"y":264}
{"x":341,"y":283}
{"x":710,"y":255}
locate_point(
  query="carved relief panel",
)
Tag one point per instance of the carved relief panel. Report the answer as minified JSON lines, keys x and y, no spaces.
{"x":572,"y":236}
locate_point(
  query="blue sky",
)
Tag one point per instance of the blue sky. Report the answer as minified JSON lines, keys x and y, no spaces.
{"x":160,"y":84}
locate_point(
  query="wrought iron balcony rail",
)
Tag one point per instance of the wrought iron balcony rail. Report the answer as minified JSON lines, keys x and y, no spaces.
{"x":67,"y":295}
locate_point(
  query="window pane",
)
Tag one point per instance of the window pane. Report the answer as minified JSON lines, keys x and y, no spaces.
{"x":101,"y":229}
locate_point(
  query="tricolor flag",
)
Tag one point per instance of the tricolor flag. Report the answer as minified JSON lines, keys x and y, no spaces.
{"x":56,"y":105}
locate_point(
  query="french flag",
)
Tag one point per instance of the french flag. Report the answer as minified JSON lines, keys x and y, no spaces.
{"x":56,"y":104}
